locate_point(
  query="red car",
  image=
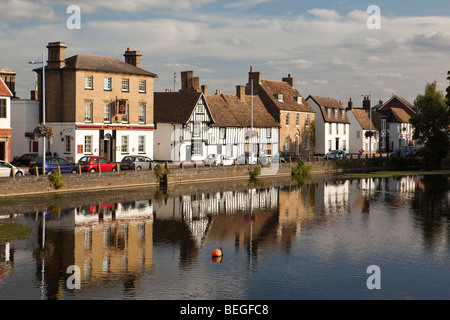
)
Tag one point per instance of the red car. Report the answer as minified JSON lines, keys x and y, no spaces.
{"x":91,"y":163}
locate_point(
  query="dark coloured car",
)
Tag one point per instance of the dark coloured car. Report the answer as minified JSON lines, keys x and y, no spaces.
{"x":24,"y":160}
{"x":92,"y":163}
{"x":52,"y":163}
{"x":138,"y":162}
{"x":285,"y":156}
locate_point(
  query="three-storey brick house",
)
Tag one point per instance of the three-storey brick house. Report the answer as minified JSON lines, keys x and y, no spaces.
{"x":97,"y":105}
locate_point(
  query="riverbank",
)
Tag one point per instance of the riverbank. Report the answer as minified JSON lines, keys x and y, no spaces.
{"x":182,"y":174}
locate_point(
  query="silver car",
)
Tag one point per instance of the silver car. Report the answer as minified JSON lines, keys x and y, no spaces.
{"x":6,"y":167}
{"x":140,"y":162}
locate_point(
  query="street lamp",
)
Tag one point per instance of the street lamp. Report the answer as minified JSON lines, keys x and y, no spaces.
{"x":43,"y":107}
{"x":370,"y":124}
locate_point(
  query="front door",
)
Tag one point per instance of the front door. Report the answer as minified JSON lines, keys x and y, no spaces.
{"x":107,"y":147}
{"x":188,"y":152}
{"x":337,"y":143}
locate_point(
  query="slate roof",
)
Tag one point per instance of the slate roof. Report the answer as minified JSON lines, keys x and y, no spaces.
{"x":326,"y":102}
{"x":174,"y":107}
{"x":290,"y":94}
{"x":229,"y":111}
{"x":4,"y":90}
{"x":102,"y":64}
{"x":108,"y":65}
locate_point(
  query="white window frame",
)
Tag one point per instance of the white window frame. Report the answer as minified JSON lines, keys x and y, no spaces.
{"x":197,"y":148}
{"x":141,"y":144}
{"x":88,"y":111}
{"x":125,"y":117}
{"x":142,"y":113}
{"x":3,"y":109}
{"x":67,"y":144}
{"x":107,"y":113}
{"x":88,"y":144}
{"x":142,"y":86}
{"x":124,"y":144}
{"x":196,"y":130}
{"x":107,"y":84}
{"x":126,"y":85}
{"x":89,"y":82}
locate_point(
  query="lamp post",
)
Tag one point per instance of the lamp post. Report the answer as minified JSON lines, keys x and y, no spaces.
{"x":370,"y":124}
{"x":43,"y":108}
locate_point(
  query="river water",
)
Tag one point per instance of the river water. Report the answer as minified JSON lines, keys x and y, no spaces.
{"x":331,"y":238}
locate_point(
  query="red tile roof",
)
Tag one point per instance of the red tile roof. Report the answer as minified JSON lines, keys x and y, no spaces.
{"x":174,"y":107}
{"x":4,"y":90}
{"x":290,"y":94}
{"x":229,"y":111}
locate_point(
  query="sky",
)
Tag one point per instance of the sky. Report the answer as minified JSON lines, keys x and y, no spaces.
{"x":326,"y":46}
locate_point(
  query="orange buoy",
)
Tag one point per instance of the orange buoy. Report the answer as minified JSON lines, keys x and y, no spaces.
{"x":217,"y":253}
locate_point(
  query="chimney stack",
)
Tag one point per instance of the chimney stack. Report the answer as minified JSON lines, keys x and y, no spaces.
{"x":133,"y":57}
{"x":240,"y":92}
{"x":205,"y":89}
{"x":56,"y":55}
{"x":256,"y":77}
{"x":289,"y":80}
{"x":350,"y":105}
{"x":366,"y":103}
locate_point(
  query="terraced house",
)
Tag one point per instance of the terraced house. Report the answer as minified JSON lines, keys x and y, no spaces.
{"x":290,"y":110}
{"x":191,"y":123}
{"x":97,"y":105}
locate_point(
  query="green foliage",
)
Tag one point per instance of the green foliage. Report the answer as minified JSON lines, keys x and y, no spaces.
{"x":56,"y":179}
{"x":301,"y":172}
{"x":313,"y":132}
{"x":10,"y":231}
{"x":254,"y":173}
{"x":431,"y":124}
{"x":161,"y":173}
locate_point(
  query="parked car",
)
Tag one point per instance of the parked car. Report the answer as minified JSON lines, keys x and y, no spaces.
{"x":403,"y":152}
{"x":24,"y":160}
{"x":6,"y":167}
{"x":285,"y":155}
{"x":247,"y":157}
{"x":335,"y":154}
{"x":414,"y":151}
{"x":52,"y":163}
{"x":140,"y":162}
{"x":91,"y":163}
{"x":218,"y":159}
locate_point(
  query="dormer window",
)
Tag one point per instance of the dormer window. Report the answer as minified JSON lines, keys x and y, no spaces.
{"x":336,"y":113}
{"x":329,"y":112}
{"x":280,"y":97}
{"x":299,"y":100}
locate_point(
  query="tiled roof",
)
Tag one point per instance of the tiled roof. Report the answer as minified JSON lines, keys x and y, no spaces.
{"x":4,"y":90}
{"x":324,"y":103}
{"x":229,"y":111}
{"x":399,"y":115}
{"x":101,"y":64}
{"x":363,"y":118}
{"x":290,"y":94}
{"x":174,"y":107}
{"x":398,"y":102}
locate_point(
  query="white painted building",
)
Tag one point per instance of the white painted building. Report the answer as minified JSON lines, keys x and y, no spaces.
{"x":191,"y":124}
{"x":332,"y":124}
{"x":24,"y":119}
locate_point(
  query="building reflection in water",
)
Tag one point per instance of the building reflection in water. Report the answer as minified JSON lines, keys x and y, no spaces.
{"x":114,"y":242}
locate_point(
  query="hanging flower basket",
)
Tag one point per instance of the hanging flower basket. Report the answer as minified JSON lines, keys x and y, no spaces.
{"x":43,"y":130}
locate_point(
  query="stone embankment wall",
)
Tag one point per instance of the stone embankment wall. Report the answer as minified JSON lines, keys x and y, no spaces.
{"x":84,"y":182}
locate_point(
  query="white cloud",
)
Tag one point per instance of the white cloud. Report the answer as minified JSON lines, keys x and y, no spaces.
{"x":319,"y":44}
{"x":25,"y":10}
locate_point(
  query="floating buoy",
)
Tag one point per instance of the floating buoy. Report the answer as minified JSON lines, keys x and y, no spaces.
{"x":217,"y":253}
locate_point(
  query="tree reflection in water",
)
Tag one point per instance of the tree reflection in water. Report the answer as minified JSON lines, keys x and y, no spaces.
{"x":431,"y":204}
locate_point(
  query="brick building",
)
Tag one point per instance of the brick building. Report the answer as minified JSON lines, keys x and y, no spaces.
{"x":5,"y":121}
{"x":289,"y":109}
{"x":97,"y":105}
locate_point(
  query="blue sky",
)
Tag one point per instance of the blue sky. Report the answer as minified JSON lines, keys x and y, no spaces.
{"x":325,"y":45}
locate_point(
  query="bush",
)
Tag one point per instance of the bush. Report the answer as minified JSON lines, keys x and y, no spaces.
{"x":56,"y":179}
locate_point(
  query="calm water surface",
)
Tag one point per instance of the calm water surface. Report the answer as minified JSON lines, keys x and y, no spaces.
{"x":280,"y":241}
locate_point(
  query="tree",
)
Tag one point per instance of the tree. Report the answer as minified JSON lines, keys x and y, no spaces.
{"x":431,"y":124}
